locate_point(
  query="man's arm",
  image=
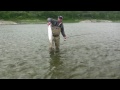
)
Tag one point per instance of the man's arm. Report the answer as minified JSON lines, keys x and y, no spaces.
{"x":62,"y":31}
{"x":51,"y":21}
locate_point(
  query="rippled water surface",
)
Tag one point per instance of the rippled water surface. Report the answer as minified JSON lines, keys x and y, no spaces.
{"x":92,"y":50}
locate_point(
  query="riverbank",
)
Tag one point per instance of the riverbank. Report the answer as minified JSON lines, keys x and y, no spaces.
{"x":14,"y":22}
{"x":3,"y":22}
{"x":99,"y":21}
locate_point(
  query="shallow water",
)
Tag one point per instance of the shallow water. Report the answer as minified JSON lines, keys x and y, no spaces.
{"x":91,"y":51}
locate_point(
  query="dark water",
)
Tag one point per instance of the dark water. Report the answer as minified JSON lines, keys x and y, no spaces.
{"x":92,"y":50}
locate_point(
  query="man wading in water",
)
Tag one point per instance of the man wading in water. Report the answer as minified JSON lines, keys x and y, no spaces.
{"x":57,"y":27}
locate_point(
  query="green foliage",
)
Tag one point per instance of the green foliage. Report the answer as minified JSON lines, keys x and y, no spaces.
{"x":67,"y":15}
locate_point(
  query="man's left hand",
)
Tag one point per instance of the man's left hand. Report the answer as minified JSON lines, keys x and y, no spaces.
{"x":65,"y":38}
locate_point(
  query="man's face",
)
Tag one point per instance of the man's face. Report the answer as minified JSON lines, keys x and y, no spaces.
{"x":59,"y":20}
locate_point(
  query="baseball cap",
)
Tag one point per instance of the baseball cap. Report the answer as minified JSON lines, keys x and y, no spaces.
{"x":60,"y":17}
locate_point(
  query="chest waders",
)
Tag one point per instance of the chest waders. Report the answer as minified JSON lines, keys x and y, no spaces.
{"x":55,"y":38}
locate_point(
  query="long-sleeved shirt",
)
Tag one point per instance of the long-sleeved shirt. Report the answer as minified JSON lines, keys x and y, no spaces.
{"x":56,"y":23}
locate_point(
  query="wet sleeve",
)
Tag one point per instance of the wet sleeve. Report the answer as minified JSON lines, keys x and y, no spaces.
{"x":49,"y":19}
{"x":62,"y":30}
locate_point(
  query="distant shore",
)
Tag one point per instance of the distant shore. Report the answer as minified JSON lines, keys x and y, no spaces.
{"x":98,"y":21}
{"x":3,"y":22}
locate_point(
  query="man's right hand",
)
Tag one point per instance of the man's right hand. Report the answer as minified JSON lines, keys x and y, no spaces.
{"x":49,"y":23}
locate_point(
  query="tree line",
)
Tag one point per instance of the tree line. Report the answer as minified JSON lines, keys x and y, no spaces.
{"x":67,"y":15}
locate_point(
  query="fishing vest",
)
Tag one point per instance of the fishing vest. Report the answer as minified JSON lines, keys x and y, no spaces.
{"x":56,"y":30}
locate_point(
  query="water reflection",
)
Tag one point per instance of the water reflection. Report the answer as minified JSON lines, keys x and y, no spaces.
{"x":56,"y":68}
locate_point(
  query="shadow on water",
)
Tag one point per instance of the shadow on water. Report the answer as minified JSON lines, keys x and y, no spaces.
{"x":55,"y":68}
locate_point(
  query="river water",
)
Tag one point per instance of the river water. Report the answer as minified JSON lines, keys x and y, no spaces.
{"x":91,"y":51}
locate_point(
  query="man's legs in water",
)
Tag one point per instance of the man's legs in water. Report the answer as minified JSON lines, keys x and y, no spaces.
{"x":57,"y":43}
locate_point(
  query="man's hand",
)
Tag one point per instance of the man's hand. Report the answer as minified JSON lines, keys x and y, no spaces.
{"x":65,"y":38}
{"x":49,"y":23}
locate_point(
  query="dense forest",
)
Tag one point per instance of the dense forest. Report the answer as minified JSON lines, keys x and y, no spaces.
{"x":67,"y":15}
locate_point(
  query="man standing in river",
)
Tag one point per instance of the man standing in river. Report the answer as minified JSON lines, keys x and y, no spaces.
{"x":57,"y":27}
